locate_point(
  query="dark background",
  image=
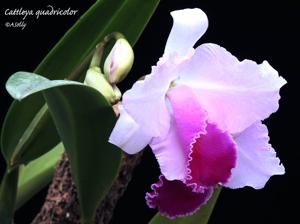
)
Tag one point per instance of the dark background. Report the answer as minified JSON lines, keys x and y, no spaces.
{"x":248,"y":29}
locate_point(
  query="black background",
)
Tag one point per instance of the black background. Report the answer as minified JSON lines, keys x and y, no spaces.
{"x":248,"y":29}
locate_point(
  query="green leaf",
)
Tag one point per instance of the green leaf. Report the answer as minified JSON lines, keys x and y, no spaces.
{"x":19,"y":122}
{"x":200,"y":217}
{"x":71,"y":55}
{"x":37,"y":174}
{"x":8,"y":191}
{"x":19,"y":86}
{"x":84,"y":120}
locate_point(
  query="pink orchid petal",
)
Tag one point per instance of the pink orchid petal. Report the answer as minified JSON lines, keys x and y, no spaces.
{"x":212,"y":158}
{"x":189,"y":120}
{"x":127,"y":134}
{"x":257,"y":160}
{"x":145,"y":102}
{"x":188,"y":26}
{"x":190,"y":117}
{"x":235,"y":94}
{"x":175,"y":199}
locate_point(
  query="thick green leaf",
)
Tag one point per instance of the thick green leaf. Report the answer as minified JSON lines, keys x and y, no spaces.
{"x":19,"y":86}
{"x":70,"y":54}
{"x":20,"y":120}
{"x":200,"y":217}
{"x":8,"y":192}
{"x":37,"y":174}
{"x":84,"y":120}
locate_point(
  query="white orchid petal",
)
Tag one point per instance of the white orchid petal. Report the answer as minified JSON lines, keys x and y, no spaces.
{"x":128,"y":135}
{"x":145,"y":102}
{"x":188,"y":26}
{"x":256,"y":161}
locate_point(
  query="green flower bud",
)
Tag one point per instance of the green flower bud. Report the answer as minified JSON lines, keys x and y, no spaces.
{"x":119,"y":61}
{"x":94,"y":78}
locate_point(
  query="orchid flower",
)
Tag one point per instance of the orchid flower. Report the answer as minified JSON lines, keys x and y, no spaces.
{"x":201,"y":112}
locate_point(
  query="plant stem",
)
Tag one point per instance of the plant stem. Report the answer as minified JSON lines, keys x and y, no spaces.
{"x":61,"y":205}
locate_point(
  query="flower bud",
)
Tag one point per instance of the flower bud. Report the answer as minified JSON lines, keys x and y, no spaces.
{"x":117,"y":92}
{"x":94,"y":78}
{"x":119,"y":61}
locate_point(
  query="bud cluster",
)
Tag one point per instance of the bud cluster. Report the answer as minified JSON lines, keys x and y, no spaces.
{"x":116,"y":67}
